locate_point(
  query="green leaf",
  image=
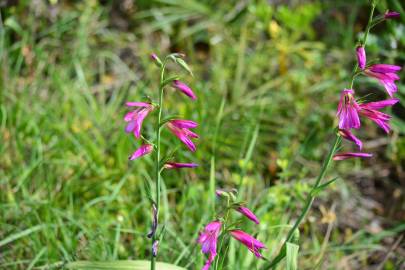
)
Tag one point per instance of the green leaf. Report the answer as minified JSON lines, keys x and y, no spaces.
{"x":292,"y":256}
{"x":120,"y":265}
{"x":184,"y":65}
{"x":323,"y":186}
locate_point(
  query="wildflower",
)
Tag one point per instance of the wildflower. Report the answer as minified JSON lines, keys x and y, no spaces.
{"x":249,"y":241}
{"x":348,"y":135}
{"x":180,"y":128}
{"x":361,"y":56}
{"x":135,"y":118}
{"x":386,"y":75}
{"x":343,"y":156}
{"x":141,"y":151}
{"x":177,"y":165}
{"x":348,"y":110}
{"x":208,"y":240}
{"x":391,"y":14}
{"x":184,"y":88}
{"x":247,"y":213}
{"x":370,"y":110}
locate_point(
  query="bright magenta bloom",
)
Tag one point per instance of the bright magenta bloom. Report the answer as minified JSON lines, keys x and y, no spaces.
{"x":370,"y":110}
{"x":141,"y":151}
{"x":361,"y":56}
{"x":247,"y":213}
{"x":391,"y":14}
{"x":348,"y":110}
{"x":348,"y":135}
{"x":208,"y":240}
{"x":343,"y":156}
{"x":249,"y":241}
{"x":177,"y":165}
{"x":135,"y":118}
{"x":180,"y":128}
{"x":184,"y":88}
{"x":386,"y":75}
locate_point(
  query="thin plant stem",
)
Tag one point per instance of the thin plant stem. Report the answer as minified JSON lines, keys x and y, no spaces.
{"x":157,"y":160}
{"x":309,"y":200}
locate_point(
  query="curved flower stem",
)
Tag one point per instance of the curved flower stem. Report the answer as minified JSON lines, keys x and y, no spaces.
{"x":157,"y":160}
{"x":309,"y":200}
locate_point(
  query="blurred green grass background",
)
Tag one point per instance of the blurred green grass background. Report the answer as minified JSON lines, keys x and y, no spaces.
{"x":267,"y":75}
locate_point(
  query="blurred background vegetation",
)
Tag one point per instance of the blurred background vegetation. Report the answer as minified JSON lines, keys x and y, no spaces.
{"x":267,"y":75}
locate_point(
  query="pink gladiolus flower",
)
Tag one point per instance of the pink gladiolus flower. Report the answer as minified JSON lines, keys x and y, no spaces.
{"x":208,"y":240}
{"x":370,"y":110}
{"x":249,"y":241}
{"x":343,"y":156}
{"x":391,"y":14}
{"x":386,"y":75}
{"x":177,"y":165}
{"x":348,"y":135}
{"x":180,"y":128}
{"x":135,"y":118}
{"x":348,"y":110}
{"x":361,"y":56}
{"x":247,"y":213}
{"x":184,"y":88}
{"x":141,"y":151}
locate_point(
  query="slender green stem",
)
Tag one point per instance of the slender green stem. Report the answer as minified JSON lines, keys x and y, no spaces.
{"x":309,"y":200}
{"x":157,"y":161}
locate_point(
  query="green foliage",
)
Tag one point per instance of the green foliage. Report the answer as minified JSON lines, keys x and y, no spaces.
{"x":267,"y":79}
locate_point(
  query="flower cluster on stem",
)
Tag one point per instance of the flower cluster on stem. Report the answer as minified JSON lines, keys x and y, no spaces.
{"x":349,"y":113}
{"x":222,"y":226}
{"x":179,"y":127}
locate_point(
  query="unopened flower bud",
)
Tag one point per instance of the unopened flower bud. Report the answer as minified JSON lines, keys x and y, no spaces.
{"x":156,"y":59}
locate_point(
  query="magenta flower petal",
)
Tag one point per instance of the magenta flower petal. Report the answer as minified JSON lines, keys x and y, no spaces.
{"x":249,"y":241}
{"x":177,"y":165}
{"x":184,"y":123}
{"x":391,"y":14}
{"x":141,"y":151}
{"x":137,"y":104}
{"x":343,"y":156}
{"x":178,"y":128}
{"x":184,"y":88}
{"x":370,"y":110}
{"x":348,"y":135}
{"x":386,"y":76}
{"x":348,"y":110}
{"x":376,"y":105}
{"x":247,"y":213}
{"x":361,"y":56}
{"x":384,"y":68}
{"x":208,"y":240}
{"x":136,"y":117}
